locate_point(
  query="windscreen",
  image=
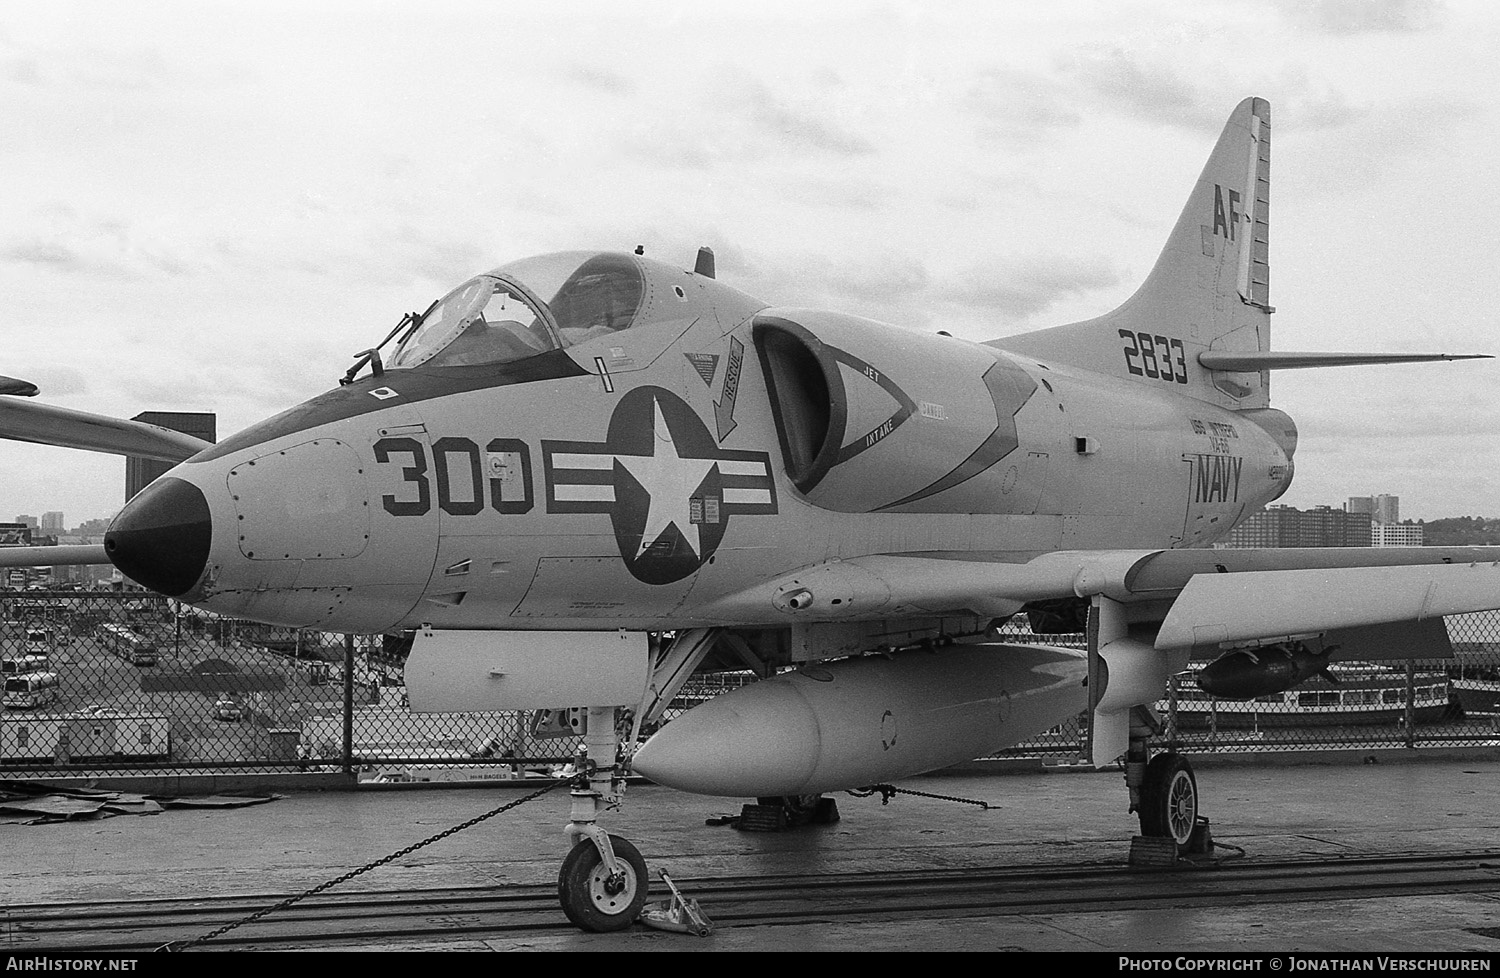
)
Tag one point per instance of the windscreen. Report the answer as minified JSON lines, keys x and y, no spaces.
{"x":485,"y":320}
{"x":526,"y":308}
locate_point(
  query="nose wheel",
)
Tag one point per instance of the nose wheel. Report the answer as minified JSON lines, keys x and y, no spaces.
{"x":593,"y":897}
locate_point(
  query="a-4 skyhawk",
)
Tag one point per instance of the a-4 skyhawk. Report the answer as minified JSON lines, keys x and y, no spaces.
{"x":582,"y":477}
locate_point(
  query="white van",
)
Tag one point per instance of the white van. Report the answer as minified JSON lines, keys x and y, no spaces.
{"x":19,"y":665}
{"x":32,"y":690}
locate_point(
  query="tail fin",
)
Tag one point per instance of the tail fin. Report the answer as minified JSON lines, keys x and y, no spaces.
{"x":1209,"y":289}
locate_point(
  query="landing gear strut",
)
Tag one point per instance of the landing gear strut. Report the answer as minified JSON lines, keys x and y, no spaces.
{"x":1163,"y":792}
{"x":602,"y":884}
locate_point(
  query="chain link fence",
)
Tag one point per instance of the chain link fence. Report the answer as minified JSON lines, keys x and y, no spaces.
{"x":101,"y":683}
{"x":1392,"y":703}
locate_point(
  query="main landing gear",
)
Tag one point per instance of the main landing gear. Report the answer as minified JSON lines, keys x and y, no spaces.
{"x":1168,"y":807}
{"x":1163,"y":790}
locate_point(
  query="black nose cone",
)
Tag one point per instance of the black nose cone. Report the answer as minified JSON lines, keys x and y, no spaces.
{"x":161,"y":537}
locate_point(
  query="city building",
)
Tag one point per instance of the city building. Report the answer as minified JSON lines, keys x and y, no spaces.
{"x":141,"y":472}
{"x":52,"y":523}
{"x":1396,"y":534}
{"x":1382,"y":508}
{"x":1285,"y":526}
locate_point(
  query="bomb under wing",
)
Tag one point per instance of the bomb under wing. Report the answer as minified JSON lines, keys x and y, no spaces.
{"x":861,"y":721}
{"x":1245,"y":674}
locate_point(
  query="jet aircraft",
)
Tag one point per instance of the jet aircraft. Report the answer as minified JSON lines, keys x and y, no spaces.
{"x":580,"y":478}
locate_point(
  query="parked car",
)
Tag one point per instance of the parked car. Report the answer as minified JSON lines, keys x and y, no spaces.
{"x":228,"y":708}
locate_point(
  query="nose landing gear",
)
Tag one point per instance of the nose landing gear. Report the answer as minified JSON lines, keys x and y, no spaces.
{"x":602,"y":884}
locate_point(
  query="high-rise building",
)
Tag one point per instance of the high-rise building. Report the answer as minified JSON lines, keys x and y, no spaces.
{"x":141,"y":472}
{"x":1382,"y":508}
{"x":52,"y":522}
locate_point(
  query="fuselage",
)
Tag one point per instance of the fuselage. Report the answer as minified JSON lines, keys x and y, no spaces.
{"x":652,"y":441}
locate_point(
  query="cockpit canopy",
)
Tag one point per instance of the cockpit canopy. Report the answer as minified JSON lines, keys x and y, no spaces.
{"x":502,"y":316}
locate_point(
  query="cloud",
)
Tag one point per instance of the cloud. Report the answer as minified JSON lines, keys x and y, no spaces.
{"x":1151,"y":91}
{"x":22,"y":70}
{"x":1344,"y":17}
{"x":601,"y":80}
{"x":53,"y":380}
{"x":1020,"y":287}
{"x":739,"y":124}
{"x":798,"y":127}
{"x":1019,"y":107}
{"x":69,"y":243}
{"x":880,"y":286}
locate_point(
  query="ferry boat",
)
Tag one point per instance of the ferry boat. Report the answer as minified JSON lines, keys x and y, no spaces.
{"x":1367,"y":693}
{"x":1478,"y":697}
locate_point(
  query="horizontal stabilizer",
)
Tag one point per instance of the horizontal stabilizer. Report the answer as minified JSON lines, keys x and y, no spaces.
{"x":18,"y":388}
{"x":1218,"y":608}
{"x":1253,"y":360}
{"x":44,"y":424}
{"x":89,"y":553}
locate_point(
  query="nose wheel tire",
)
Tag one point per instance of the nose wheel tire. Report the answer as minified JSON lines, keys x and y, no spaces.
{"x":591,"y":898}
{"x":1169,"y":799}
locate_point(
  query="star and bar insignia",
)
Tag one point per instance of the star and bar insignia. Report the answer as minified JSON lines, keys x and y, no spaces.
{"x":667,"y":486}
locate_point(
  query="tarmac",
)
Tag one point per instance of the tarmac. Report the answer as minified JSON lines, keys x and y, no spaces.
{"x":1357,"y":802}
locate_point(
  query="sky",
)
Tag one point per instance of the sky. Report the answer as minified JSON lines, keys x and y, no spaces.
{"x":213,"y":206}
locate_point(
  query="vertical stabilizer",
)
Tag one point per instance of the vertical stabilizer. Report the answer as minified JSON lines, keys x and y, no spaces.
{"x":1209,"y":289}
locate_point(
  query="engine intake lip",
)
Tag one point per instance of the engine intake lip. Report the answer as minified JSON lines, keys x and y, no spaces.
{"x":808,"y":402}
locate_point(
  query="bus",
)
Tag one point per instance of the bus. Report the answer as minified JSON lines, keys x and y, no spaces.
{"x":124,"y":642}
{"x":31,"y":690}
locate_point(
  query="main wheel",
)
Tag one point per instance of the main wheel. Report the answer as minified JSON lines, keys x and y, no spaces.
{"x":591,"y":899}
{"x":1169,"y":799}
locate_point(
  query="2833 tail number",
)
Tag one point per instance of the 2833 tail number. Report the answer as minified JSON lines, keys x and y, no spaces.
{"x":1158,"y":357}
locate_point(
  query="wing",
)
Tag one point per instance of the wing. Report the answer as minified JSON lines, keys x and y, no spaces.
{"x":92,"y":553}
{"x":1151,"y":612}
{"x":1251,"y":593}
{"x":44,"y":424}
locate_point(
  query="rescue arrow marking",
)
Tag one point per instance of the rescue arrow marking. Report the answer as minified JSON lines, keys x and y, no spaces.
{"x":724,"y":406}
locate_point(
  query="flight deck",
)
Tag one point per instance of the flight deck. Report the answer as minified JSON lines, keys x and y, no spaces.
{"x":1374,"y":851}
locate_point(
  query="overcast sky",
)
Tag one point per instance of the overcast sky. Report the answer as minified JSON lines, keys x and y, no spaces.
{"x":212,"y":206}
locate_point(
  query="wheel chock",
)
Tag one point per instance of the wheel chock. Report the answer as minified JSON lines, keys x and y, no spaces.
{"x":681,"y":914}
{"x":1150,"y":852}
{"x":762,"y":818}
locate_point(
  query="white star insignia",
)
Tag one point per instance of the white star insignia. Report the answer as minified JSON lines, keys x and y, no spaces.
{"x":670,"y":480}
